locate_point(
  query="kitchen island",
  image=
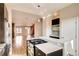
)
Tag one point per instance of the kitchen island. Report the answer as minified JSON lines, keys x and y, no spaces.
{"x":49,"y":49}
{"x":46,"y":49}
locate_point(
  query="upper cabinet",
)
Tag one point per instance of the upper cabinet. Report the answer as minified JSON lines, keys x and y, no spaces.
{"x":1,"y":12}
{"x":1,"y":22}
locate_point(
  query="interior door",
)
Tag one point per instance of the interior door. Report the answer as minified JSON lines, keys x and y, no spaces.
{"x":68,"y":33}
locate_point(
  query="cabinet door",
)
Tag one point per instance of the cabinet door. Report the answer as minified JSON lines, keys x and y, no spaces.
{"x":68,"y":33}
{"x":1,"y":32}
{"x":38,"y":52}
{"x":1,"y":22}
{"x":1,"y":12}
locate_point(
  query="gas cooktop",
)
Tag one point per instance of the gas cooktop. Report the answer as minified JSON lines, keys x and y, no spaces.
{"x":37,"y":41}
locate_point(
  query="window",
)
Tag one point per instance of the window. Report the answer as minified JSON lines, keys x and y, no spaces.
{"x":18,"y":30}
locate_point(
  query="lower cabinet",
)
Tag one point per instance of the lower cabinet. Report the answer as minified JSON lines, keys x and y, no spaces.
{"x":6,"y":52}
{"x":38,"y":52}
{"x":56,"y":53}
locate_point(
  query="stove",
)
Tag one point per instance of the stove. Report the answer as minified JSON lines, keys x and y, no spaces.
{"x":37,"y":41}
{"x":31,"y":46}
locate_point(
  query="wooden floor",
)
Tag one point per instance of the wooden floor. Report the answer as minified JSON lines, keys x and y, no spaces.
{"x":19,"y":51}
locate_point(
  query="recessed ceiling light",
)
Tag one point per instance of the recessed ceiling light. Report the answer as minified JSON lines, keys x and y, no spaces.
{"x":56,"y":14}
{"x":25,"y":27}
{"x":48,"y":15}
{"x":43,"y":17}
{"x":38,"y":6}
{"x":38,"y":20}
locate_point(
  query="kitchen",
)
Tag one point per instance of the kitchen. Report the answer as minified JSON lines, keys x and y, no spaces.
{"x":52,"y":34}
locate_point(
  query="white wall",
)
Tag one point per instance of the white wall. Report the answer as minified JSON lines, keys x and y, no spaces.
{"x":68,"y":12}
{"x":38,"y":29}
{"x":47,"y":25}
{"x":8,"y":16}
{"x":64,"y":14}
{"x":44,"y":27}
{"x":10,"y":22}
{"x":9,"y":40}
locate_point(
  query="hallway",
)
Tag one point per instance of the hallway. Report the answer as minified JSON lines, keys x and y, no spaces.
{"x":19,"y":50}
{"x":19,"y":42}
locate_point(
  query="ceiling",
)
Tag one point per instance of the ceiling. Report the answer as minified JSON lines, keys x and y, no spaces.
{"x":24,"y":19}
{"x":26,"y":13}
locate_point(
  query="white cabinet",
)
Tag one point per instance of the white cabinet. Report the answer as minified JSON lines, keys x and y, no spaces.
{"x":69,"y":30}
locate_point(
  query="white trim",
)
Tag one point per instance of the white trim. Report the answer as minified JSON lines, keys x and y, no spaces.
{"x":77,"y":34}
